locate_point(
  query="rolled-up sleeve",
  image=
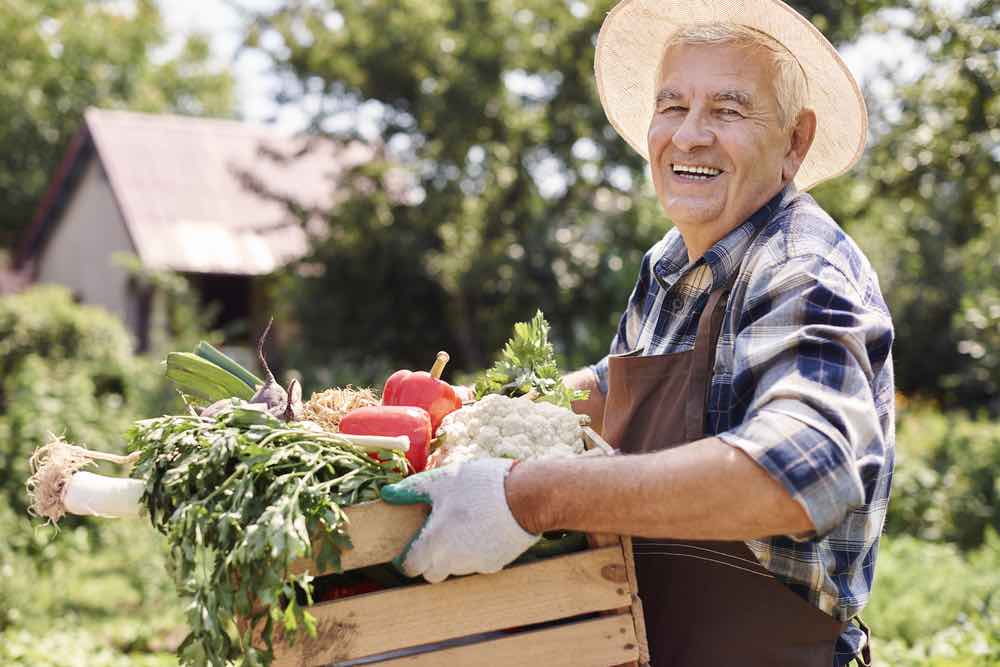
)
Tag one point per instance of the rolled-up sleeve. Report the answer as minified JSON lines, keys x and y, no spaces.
{"x":807,"y":350}
{"x":601,"y":372}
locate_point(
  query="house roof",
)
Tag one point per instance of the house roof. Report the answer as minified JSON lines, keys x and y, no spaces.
{"x":183,"y":186}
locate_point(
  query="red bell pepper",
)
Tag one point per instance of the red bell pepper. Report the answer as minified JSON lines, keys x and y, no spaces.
{"x":423,"y":390}
{"x":410,"y":421}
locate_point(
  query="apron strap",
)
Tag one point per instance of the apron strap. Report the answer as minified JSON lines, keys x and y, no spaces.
{"x":704,"y":354}
{"x":864,"y":659}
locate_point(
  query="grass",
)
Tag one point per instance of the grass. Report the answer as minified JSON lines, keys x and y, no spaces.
{"x":91,"y":601}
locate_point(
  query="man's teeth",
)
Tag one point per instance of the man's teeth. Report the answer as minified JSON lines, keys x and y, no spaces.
{"x":695,"y":170}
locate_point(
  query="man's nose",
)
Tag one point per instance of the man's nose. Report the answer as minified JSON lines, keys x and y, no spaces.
{"x":692,"y":133}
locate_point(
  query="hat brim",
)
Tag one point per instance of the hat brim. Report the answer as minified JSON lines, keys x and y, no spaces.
{"x":629,"y":48}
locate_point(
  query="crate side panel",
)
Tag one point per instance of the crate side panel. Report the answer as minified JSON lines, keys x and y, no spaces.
{"x":533,"y":593}
{"x":600,"y":642}
{"x":379,"y":533}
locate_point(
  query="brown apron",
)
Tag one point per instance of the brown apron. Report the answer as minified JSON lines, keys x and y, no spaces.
{"x":706,"y":604}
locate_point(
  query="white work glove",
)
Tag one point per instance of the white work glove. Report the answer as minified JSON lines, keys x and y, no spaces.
{"x":470,"y":528}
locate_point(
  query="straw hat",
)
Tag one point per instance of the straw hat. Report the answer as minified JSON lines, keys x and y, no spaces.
{"x":629,"y":49}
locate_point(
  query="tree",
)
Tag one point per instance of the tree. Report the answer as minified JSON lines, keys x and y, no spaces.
{"x":926,"y":203}
{"x":500,"y":186}
{"x":62,"y":56}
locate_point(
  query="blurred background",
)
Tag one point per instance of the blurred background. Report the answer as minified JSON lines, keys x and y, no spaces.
{"x":387,"y":179}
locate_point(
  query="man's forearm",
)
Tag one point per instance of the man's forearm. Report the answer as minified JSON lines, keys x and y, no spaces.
{"x":593,"y":405}
{"x":704,"y":490}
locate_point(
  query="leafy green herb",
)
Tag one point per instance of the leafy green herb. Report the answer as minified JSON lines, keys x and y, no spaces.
{"x":528,"y":363}
{"x":240,"y":496}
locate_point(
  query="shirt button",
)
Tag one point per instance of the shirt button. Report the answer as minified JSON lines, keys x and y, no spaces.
{"x":677,"y":304}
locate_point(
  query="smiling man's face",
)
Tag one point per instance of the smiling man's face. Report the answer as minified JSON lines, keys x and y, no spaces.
{"x":716,"y":146}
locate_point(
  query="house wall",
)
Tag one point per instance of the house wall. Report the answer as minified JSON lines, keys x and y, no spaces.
{"x":78,"y":254}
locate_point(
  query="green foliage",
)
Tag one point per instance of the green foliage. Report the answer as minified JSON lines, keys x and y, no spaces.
{"x":22,"y":555}
{"x":456,"y":219}
{"x":945,"y":485}
{"x":337,"y":369}
{"x":59,"y":58}
{"x":83,"y":597}
{"x":840,"y":20}
{"x":528,"y":364}
{"x":500,"y":187}
{"x":66,"y":369}
{"x":94,"y":592}
{"x":925,"y":205}
{"x":45,"y":321}
{"x":934,"y":603}
{"x":933,"y":606}
{"x":69,"y":647}
{"x":239,"y":499}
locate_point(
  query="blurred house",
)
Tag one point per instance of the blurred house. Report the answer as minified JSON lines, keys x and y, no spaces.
{"x":182,"y":194}
{"x":13,"y":281}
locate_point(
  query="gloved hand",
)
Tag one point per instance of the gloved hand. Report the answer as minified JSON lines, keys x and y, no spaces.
{"x":470,"y":528}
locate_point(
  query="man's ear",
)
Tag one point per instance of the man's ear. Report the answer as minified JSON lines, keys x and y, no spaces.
{"x":802,"y":137}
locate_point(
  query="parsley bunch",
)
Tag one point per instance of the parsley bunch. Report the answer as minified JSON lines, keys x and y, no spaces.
{"x":528,"y":364}
{"x":240,"y":496}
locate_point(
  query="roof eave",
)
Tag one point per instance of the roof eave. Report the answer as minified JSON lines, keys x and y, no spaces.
{"x":56,"y":195}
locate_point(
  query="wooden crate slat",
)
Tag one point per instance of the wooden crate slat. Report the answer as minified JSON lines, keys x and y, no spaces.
{"x":600,"y":642}
{"x":638,"y":615}
{"x":379,"y":532}
{"x":533,"y":593}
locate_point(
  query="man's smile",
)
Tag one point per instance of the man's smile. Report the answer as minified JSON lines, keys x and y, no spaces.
{"x":694,"y":172}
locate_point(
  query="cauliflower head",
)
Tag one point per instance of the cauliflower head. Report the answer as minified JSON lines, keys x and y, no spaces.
{"x":513,"y":428}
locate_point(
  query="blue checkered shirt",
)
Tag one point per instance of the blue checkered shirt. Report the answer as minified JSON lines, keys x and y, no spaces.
{"x":802,"y":382}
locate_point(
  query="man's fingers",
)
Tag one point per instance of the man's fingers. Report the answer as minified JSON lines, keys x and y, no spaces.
{"x":418,"y":557}
{"x":415,"y":488}
{"x":404,"y":493}
{"x":435,"y":575}
{"x":399,"y":562}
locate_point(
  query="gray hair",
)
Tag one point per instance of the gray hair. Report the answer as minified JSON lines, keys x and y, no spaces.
{"x":790,"y":84}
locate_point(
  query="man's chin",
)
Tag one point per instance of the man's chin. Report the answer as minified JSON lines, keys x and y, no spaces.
{"x":692,"y":213}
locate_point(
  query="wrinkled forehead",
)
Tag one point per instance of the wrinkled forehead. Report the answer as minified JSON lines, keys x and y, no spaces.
{"x":714,"y":69}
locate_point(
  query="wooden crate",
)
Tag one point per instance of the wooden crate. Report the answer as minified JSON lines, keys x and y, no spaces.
{"x":579,"y":609}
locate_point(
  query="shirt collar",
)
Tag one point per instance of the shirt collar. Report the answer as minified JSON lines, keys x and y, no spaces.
{"x":724,"y":256}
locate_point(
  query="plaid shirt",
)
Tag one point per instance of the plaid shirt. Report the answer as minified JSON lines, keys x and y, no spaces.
{"x":802,"y":382}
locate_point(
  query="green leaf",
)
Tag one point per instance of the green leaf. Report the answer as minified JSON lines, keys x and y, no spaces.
{"x":238,"y":503}
{"x":528,"y":363}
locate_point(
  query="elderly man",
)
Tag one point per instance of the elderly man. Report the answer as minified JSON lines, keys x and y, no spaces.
{"x":750,"y":381}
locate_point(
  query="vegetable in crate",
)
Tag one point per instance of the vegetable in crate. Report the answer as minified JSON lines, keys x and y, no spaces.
{"x":423,"y":390}
{"x":240,"y":496}
{"x":202,"y":379}
{"x":527,"y":366}
{"x":513,"y":428}
{"x":209,"y":375}
{"x":207,"y":351}
{"x":393,"y":420}
{"x":328,"y":407}
{"x":239,"y":499}
{"x":59,"y":485}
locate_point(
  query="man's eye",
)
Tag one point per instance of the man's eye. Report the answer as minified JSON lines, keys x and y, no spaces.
{"x":730,"y":113}
{"x":672,"y":109}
